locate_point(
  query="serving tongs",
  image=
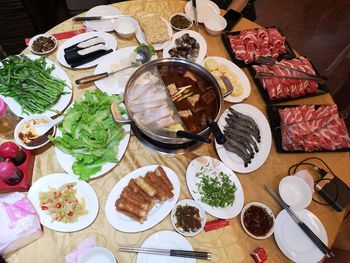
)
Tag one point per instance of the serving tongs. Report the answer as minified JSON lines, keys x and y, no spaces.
{"x":267,"y":75}
{"x":268,"y":61}
{"x":195,"y":12}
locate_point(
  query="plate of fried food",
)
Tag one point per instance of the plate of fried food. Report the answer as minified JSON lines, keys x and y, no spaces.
{"x":64,"y":203}
{"x":142,"y":198}
{"x":229,"y":74}
{"x":154,"y":30}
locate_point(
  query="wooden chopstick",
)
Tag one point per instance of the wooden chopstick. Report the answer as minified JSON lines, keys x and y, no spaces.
{"x":318,"y":242}
{"x":168,"y":252}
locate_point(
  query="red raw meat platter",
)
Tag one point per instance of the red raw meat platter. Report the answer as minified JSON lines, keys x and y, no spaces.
{"x":321,"y":89}
{"x":225,"y":38}
{"x":275,"y":122}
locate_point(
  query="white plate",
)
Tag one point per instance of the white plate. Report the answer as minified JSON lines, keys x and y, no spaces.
{"x":60,"y":105}
{"x":232,"y":160}
{"x":242,"y":77}
{"x":292,"y":240}
{"x":83,"y":190}
{"x":96,"y":255}
{"x":116,"y":83}
{"x":196,"y":36}
{"x":165,"y":240}
{"x":66,"y":160}
{"x":141,"y":38}
{"x":295,"y":192}
{"x":110,"y":40}
{"x":193,"y":181}
{"x":205,"y":9}
{"x":102,"y":25}
{"x":158,"y":212}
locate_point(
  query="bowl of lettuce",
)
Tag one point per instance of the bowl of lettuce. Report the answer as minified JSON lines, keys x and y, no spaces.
{"x":88,"y":142}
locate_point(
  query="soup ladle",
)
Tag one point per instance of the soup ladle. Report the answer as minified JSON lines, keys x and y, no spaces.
{"x":143,"y":55}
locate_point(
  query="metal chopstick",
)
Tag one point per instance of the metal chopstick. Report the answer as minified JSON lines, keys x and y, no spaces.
{"x":168,"y":252}
{"x":318,"y":242}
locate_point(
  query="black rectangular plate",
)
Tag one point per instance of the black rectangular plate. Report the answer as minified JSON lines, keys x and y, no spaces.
{"x":321,"y":89}
{"x":275,"y":121}
{"x":224,"y":36}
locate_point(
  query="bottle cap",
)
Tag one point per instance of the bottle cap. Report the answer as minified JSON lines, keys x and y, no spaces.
{"x":3,"y":107}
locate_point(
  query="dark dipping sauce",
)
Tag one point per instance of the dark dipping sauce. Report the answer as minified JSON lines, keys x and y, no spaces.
{"x":197,"y":102}
{"x":37,"y":141}
{"x":43,"y":44}
{"x":180,"y":22}
{"x":187,"y":218}
{"x":257,"y":220}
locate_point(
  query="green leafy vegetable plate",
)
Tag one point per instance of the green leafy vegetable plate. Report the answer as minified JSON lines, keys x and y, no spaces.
{"x":88,"y":143}
{"x":62,"y":102}
{"x":215,"y":187}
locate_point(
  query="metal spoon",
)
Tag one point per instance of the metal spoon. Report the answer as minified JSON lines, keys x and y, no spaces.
{"x":143,"y":55}
{"x":38,"y":130}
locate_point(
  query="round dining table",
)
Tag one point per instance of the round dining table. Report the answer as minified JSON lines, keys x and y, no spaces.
{"x":227,"y":244}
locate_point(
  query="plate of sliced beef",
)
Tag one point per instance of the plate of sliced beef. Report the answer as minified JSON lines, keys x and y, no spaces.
{"x":278,"y":89}
{"x":246,"y":46}
{"x":308,"y":128}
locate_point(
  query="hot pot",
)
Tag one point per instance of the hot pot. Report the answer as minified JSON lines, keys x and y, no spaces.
{"x":152,"y":74}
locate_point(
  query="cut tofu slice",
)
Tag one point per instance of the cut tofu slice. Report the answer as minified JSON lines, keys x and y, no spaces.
{"x":185,"y":114}
{"x":190,"y":75}
{"x":172,"y":89}
{"x":193,"y":100}
{"x":209,"y":96}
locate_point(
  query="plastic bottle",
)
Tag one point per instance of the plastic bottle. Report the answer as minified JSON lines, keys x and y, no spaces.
{"x":8,"y":121}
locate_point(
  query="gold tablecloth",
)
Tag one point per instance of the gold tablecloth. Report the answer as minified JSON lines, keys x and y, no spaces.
{"x":229,"y":244}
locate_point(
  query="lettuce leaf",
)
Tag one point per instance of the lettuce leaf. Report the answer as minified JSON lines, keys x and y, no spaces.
{"x":90,"y":134}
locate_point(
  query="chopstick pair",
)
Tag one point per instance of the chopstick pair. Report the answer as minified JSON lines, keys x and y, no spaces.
{"x":168,"y":252}
{"x":318,"y":242}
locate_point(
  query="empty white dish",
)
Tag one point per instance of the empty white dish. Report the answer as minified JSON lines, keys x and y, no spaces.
{"x":295,"y":192}
{"x":215,"y":24}
{"x":125,"y":26}
{"x":97,"y":254}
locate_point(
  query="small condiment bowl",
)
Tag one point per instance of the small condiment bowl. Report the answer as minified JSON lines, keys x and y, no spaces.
{"x":295,"y":192}
{"x":184,"y":15}
{"x":97,"y":254}
{"x":30,"y":45}
{"x":268,"y":210}
{"x":125,"y":26}
{"x":215,"y":24}
{"x":202,"y":215}
{"x":20,"y":126}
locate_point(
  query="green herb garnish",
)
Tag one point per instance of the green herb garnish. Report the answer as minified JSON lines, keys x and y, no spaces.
{"x":216,"y":190}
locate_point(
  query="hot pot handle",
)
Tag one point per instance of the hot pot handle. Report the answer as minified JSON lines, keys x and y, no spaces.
{"x":214,"y":127}
{"x":116,"y":114}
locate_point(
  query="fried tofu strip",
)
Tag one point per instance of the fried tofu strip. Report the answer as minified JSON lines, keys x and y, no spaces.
{"x":147,"y":188}
{"x":133,"y":186}
{"x":127,"y":208}
{"x":161,"y":173}
{"x":135,"y":199}
{"x":158,"y":181}
{"x":152,"y":179}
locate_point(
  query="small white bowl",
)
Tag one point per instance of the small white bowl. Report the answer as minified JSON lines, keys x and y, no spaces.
{"x":125,"y":26}
{"x":215,"y":24}
{"x":30,"y":45}
{"x":295,"y":192}
{"x":268,"y":210}
{"x":202,"y":214}
{"x":184,"y":15}
{"x":97,"y":254}
{"x":20,"y":125}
